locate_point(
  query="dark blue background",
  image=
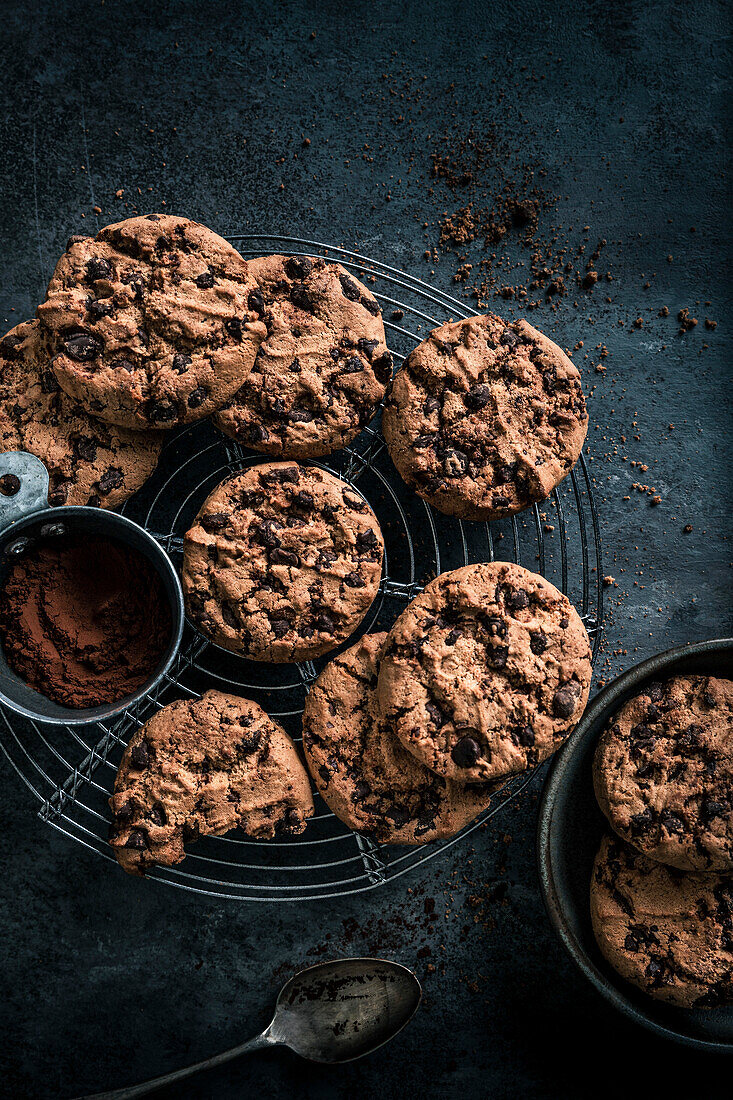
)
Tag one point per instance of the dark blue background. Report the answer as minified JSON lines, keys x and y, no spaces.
{"x":204,"y":106}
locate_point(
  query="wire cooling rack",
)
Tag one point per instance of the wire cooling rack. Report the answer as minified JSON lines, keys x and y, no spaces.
{"x":71,"y":770}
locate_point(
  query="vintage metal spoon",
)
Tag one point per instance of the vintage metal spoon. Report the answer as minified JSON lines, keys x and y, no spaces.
{"x":333,"y":1012}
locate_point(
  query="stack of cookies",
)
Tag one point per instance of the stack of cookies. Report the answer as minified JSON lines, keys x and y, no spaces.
{"x":662,"y":885}
{"x":158,"y":322}
{"x":408,"y":734}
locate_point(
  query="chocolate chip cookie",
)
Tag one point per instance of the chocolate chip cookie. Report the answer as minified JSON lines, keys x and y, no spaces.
{"x":282,"y":562}
{"x":663,"y":773}
{"x":150,"y":324}
{"x":322,"y":370}
{"x":88,"y":462}
{"x":667,"y":932}
{"x":201,"y":767}
{"x":485,"y":417}
{"x":485,"y":673}
{"x":362,"y":771}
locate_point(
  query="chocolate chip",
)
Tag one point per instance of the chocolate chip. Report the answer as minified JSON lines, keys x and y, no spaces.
{"x":371,"y":306}
{"x":382,"y":368}
{"x":197,"y":397}
{"x":300,"y":297}
{"x":280,"y":627}
{"x":436,"y":714}
{"x":110,"y":479}
{"x":234,"y":327}
{"x":497,"y":656}
{"x":300,"y":416}
{"x":181,"y":362}
{"x":10,"y":347}
{"x":100,"y":307}
{"x":214,"y":521}
{"x":354,"y":580}
{"x":466,"y":752}
{"x":353,"y":365}
{"x":298,"y":267}
{"x":123,"y":364}
{"x":304,"y":500}
{"x":256,"y":301}
{"x":279,"y":556}
{"x":523,"y":735}
{"x":477,"y":397}
{"x":366,"y":540}
{"x":517,"y":600}
{"x":98,"y":269}
{"x":509,"y":338}
{"x":229,"y":614}
{"x":157,"y":814}
{"x":82,"y":346}
{"x":140,"y":754}
{"x":162,"y":411}
{"x":136,"y":840}
{"x":204,"y":281}
{"x":564,"y":702}
{"x":85,"y":448}
{"x":326,"y":623}
{"x":538,"y":642}
{"x":349,"y":289}
{"x":367,"y":346}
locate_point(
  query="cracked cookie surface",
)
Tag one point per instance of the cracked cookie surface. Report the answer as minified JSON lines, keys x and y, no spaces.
{"x":668,"y":932}
{"x":323,"y":368}
{"x":362,"y":771}
{"x":486,"y":672}
{"x":201,"y":767}
{"x":663,"y":773}
{"x":88,"y":461}
{"x":485,"y":417}
{"x":282,"y":562}
{"x":149,"y":323}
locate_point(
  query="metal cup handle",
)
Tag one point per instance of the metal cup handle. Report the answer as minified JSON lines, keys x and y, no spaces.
{"x":32,"y":493}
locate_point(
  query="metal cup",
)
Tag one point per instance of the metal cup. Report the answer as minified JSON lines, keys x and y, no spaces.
{"x":25,"y":517}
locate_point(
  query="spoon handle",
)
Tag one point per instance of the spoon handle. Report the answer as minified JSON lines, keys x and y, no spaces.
{"x":258,"y":1043}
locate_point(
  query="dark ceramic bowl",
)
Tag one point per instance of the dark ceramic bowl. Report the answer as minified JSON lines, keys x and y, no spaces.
{"x":569,"y":832}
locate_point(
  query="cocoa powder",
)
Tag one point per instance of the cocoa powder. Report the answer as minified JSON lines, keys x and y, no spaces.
{"x":84,"y":621}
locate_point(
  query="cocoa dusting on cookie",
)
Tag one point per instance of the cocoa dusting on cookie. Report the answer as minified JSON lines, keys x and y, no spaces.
{"x":85,"y":622}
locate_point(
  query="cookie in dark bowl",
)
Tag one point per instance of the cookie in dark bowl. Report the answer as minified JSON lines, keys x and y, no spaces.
{"x":663,"y":772}
{"x":571,"y":827}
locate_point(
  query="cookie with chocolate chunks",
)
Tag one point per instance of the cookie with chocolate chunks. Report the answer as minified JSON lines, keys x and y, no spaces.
{"x":88,"y":461}
{"x":149,"y":324}
{"x":323,"y":368}
{"x":282,"y":562}
{"x":485,"y":673}
{"x":201,"y":767}
{"x":666,"y":931}
{"x":485,"y":417}
{"x":362,"y":771}
{"x":663,"y":773}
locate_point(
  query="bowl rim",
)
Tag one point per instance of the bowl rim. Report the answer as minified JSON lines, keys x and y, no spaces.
{"x":91,"y":715}
{"x":607,"y":700}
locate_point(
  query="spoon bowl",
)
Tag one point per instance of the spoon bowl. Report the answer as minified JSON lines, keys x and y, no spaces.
{"x":337,"y":1011}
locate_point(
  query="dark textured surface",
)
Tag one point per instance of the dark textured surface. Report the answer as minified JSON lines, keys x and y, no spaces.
{"x":204,"y":107}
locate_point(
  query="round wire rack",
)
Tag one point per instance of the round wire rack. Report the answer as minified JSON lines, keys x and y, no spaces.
{"x":71,"y":770}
